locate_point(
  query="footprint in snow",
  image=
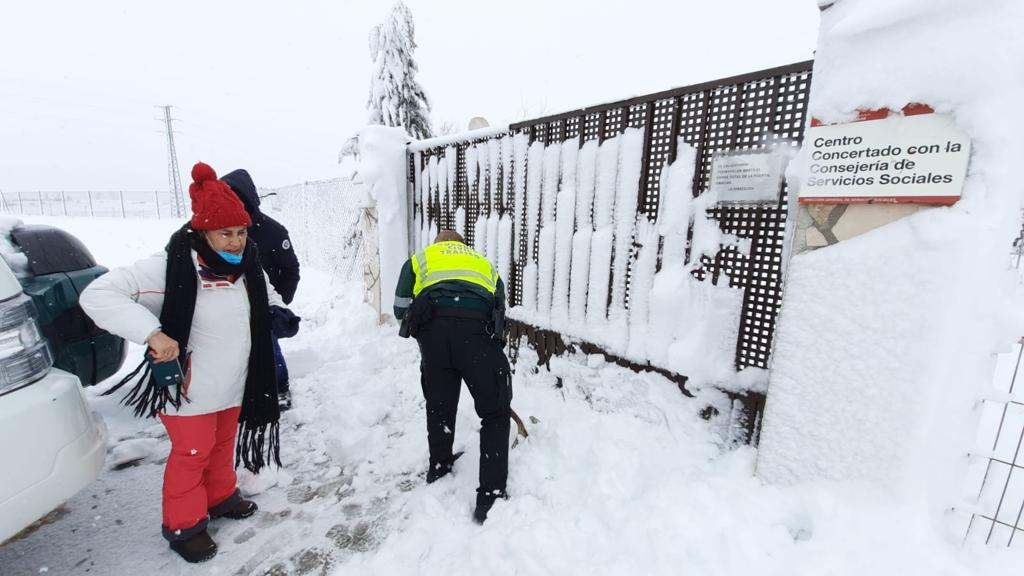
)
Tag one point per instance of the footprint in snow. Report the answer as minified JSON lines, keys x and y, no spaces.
{"x":362,"y":537}
{"x":245,"y":536}
{"x":300,"y":494}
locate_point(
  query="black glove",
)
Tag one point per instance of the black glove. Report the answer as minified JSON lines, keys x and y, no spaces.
{"x":283,"y":322}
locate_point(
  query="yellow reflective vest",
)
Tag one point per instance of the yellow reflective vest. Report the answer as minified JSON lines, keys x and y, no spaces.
{"x":452,"y":261}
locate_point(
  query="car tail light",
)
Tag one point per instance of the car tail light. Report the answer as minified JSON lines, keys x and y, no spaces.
{"x":24,"y":354}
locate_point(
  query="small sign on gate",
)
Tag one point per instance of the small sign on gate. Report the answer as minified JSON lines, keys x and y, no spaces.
{"x":746,"y":176}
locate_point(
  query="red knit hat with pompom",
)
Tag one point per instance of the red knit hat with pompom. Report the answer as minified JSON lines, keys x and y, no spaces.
{"x":214,"y":205}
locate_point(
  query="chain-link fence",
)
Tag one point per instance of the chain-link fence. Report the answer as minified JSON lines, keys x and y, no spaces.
{"x":108,"y":204}
{"x":322,"y":218}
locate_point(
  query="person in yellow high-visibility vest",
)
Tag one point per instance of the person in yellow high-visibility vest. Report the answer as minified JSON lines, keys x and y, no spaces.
{"x":447,"y":296}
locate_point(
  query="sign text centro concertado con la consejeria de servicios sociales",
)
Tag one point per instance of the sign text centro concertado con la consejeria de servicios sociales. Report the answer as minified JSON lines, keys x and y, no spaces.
{"x":919,"y":158}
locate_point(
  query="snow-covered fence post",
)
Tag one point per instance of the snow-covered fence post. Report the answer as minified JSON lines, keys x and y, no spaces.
{"x":371,"y":257}
{"x":888,"y":330}
{"x":382,"y":168}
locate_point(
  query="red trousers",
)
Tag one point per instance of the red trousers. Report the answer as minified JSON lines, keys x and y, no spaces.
{"x":200,"y":471}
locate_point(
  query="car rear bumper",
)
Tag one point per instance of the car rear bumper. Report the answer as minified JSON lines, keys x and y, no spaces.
{"x":51,"y":446}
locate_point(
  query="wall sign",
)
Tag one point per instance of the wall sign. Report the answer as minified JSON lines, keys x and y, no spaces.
{"x":917,"y":156}
{"x":747,"y":176}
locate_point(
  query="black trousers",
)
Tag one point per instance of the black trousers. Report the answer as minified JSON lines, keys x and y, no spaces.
{"x":457,"y":349}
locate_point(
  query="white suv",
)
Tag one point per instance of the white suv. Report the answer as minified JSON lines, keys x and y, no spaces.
{"x":51,"y":444}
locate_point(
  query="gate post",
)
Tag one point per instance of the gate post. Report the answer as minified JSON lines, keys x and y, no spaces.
{"x":371,"y":259}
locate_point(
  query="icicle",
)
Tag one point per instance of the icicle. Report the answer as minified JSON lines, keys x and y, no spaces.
{"x":640,"y":285}
{"x":601,"y":243}
{"x":442,"y":194}
{"x":626,"y":191}
{"x":460,"y":221}
{"x":580,"y":272}
{"x":674,"y":213}
{"x":494,"y":175}
{"x":535,"y":174}
{"x":505,"y":247}
{"x":483,"y":166}
{"x":506,"y":172}
{"x":546,"y":256}
{"x":521,"y":146}
{"x":565,"y":220}
{"x":492,"y":238}
{"x":474,"y":177}
{"x":480,"y":235}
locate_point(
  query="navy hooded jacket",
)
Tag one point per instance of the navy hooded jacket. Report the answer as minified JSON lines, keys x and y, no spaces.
{"x":276,"y":252}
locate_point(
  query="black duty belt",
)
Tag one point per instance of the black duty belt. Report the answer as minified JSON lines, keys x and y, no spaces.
{"x":468,"y":313}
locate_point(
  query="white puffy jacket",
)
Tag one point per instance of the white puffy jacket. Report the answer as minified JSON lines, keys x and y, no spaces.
{"x":127,"y":301}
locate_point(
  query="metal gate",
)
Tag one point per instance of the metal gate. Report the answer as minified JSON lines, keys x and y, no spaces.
{"x":749,"y":112}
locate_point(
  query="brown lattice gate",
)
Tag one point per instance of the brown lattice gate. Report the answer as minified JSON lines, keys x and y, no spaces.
{"x":749,"y":112}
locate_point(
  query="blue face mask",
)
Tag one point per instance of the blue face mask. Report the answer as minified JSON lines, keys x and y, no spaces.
{"x":230,"y":258}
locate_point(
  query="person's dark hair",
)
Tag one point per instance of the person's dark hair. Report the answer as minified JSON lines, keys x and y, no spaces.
{"x":449,"y":236}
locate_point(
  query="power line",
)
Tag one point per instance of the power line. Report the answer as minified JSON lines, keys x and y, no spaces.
{"x":173,"y":175}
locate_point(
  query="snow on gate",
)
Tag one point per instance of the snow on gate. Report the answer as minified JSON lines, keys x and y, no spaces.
{"x":587,"y":215}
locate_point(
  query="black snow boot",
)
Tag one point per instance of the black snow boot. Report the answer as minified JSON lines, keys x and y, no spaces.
{"x":198,"y":548}
{"x":442,"y":469}
{"x":243,"y":509}
{"x":484,"y":502}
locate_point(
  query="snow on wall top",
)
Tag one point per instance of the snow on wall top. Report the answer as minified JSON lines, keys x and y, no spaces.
{"x":457,"y":138}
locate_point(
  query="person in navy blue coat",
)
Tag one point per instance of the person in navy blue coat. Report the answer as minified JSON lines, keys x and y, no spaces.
{"x":277,"y":256}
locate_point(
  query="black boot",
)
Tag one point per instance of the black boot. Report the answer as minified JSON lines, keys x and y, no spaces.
{"x":242,"y":509}
{"x":198,"y":548}
{"x":442,"y":468}
{"x":484,"y":502}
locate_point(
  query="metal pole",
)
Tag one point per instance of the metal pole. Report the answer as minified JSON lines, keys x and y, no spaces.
{"x":39,"y":194}
{"x":156,"y":196}
{"x":92,"y":211}
{"x":121,"y":194}
{"x":64,"y":202}
{"x":21,"y":204}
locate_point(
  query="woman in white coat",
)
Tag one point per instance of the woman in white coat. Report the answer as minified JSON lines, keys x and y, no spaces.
{"x":205,"y":304}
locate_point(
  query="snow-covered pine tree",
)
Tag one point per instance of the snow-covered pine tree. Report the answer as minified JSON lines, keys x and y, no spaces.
{"x":396,"y":98}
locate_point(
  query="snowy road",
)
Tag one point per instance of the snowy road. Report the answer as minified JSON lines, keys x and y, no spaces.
{"x":619,"y":476}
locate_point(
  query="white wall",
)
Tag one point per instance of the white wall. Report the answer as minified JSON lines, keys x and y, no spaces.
{"x":886,"y":340}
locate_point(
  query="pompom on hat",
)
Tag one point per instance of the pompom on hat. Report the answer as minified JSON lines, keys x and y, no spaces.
{"x":214,"y":205}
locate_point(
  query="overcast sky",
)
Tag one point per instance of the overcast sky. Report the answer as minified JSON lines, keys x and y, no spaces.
{"x":277,"y":87}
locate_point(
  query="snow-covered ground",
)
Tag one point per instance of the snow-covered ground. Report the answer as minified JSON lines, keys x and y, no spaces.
{"x":619,"y":476}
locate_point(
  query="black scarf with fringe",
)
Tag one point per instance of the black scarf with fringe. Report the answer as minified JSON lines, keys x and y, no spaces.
{"x":260,"y":413}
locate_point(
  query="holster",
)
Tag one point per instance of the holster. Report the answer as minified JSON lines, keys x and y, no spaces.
{"x":404,"y":328}
{"x":419,"y":314}
{"x":498,"y":323}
